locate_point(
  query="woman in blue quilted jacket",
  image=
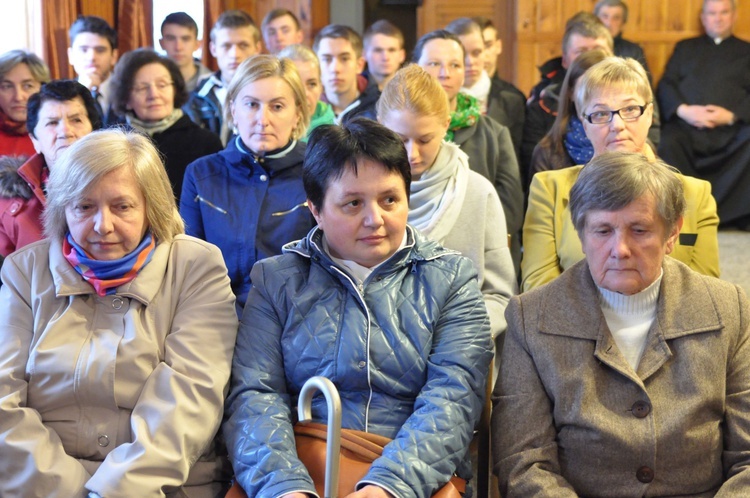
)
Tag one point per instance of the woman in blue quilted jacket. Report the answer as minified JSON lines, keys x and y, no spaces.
{"x":396,"y":321}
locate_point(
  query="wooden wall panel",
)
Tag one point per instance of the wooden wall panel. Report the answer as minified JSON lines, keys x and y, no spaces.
{"x":534,"y":33}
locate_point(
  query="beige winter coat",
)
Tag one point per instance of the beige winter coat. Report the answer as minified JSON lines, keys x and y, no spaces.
{"x":119,"y":394}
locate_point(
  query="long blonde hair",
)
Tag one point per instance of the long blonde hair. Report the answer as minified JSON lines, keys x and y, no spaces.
{"x":413,"y":89}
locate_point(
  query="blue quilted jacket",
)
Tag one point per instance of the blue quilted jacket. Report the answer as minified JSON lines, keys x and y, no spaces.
{"x":409,"y":351}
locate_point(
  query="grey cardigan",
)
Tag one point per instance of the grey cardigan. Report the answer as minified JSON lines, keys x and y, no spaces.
{"x":572,"y":418}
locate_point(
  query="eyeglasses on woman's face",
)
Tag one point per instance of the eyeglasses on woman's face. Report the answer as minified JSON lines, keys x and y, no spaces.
{"x":627,"y":113}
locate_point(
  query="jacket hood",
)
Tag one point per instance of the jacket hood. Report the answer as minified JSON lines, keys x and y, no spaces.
{"x":11,"y":183}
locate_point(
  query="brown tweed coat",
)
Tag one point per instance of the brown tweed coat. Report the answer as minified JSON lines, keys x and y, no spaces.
{"x":572,"y":418}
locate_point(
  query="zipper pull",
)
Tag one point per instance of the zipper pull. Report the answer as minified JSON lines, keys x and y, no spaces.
{"x":414,"y":266}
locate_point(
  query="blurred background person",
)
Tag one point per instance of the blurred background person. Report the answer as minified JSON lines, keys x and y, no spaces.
{"x":21,"y":76}
{"x":384,"y":51}
{"x":566,"y":143}
{"x":280,"y":29}
{"x":449,"y":203}
{"x":93,"y":53}
{"x":148,"y":92}
{"x":308,"y":67}
{"x":614,"y":15}
{"x":487,"y":144}
{"x":627,"y":375}
{"x":234,"y":38}
{"x":116,"y":338}
{"x":614,"y":99}
{"x":506,"y":103}
{"x":583,"y":32}
{"x":179,"y":38}
{"x":62,"y":112}
{"x":249,"y":199}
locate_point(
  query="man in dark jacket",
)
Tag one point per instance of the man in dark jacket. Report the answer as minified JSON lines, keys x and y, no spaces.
{"x":234,"y":38}
{"x":583,"y":32}
{"x":339,"y":49}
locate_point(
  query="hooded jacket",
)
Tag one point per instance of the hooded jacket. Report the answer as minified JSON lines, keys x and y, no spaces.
{"x":408,"y":350}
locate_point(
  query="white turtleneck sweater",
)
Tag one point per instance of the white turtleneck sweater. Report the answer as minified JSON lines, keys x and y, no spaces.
{"x":629,"y":318}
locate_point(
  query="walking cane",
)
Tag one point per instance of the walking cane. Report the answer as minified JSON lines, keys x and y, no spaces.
{"x":333,"y":446}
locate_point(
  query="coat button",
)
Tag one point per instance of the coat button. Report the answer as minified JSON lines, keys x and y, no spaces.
{"x":362,"y":364}
{"x":641,"y":409}
{"x":103,"y":440}
{"x":117,"y":303}
{"x":263,"y":178}
{"x":645,"y":474}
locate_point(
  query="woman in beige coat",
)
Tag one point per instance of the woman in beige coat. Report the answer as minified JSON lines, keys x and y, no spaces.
{"x":116,"y":337}
{"x":628,"y":375}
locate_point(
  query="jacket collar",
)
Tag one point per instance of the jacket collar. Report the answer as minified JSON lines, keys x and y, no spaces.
{"x":143,"y":288}
{"x":684,"y":307}
{"x":418,"y":248}
{"x":240,"y":159}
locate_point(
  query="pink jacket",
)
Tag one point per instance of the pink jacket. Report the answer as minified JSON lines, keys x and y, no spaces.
{"x":22,"y":201}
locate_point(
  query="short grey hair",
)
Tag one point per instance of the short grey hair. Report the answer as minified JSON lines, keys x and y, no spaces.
{"x":613,"y":180}
{"x":612,"y":3}
{"x":92,"y":157}
{"x":300,"y":53}
{"x":612,"y":72}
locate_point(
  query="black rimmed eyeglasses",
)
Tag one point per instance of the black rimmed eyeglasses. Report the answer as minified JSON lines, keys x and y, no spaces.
{"x":627,"y":113}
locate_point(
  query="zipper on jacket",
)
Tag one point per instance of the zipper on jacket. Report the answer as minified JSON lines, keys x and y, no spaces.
{"x":360,"y":294}
{"x":414,"y":266}
{"x":199,"y":198}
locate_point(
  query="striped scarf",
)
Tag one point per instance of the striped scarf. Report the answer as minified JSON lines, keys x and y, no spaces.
{"x":106,"y":276}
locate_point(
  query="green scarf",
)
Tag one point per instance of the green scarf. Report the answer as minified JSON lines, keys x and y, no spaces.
{"x":466,"y":114}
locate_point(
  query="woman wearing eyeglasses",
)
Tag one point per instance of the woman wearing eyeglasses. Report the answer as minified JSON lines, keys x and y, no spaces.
{"x":148,"y":91}
{"x":615,"y":102}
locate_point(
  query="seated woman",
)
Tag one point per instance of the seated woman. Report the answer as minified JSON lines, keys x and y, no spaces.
{"x":448,"y":202}
{"x":614,"y":101}
{"x":308,"y":67}
{"x":21,"y":75}
{"x":630,"y":369}
{"x":395,"y":321}
{"x":487,"y":143}
{"x":116,"y":337}
{"x":566,"y":143}
{"x":62,"y":112}
{"x":148,"y":90}
{"x":248,"y":199}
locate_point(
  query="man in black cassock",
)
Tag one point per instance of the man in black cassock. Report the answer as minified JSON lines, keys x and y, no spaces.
{"x":704,"y":97}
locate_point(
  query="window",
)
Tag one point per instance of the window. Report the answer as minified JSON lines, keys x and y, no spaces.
{"x":21,"y":26}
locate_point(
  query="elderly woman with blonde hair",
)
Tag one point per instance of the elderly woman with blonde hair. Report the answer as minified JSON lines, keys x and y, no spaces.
{"x":116,"y":338}
{"x":628,"y":374}
{"x":615,"y":103}
{"x":248,"y":199}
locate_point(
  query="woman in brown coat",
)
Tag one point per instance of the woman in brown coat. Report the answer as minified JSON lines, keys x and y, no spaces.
{"x":629,"y":374}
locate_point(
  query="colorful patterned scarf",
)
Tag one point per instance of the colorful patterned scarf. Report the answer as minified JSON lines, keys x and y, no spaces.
{"x":466,"y":114}
{"x":106,"y":276}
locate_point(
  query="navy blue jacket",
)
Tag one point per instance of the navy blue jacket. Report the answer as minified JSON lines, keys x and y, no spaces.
{"x":233,"y":199}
